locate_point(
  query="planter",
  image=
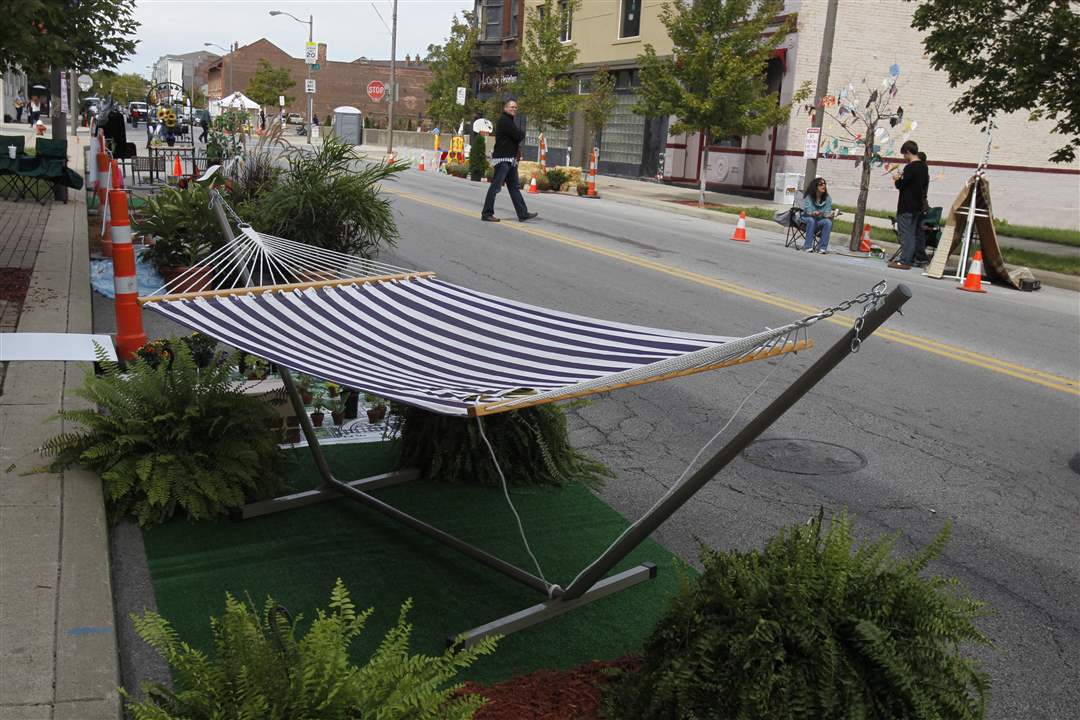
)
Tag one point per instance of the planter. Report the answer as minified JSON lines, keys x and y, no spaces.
{"x":352,"y":405}
{"x":317,"y":418}
{"x":195,"y":282}
{"x":292,"y":435}
{"x":338,"y":417}
{"x":306,"y":397}
{"x":477,"y":177}
{"x":375,"y":414}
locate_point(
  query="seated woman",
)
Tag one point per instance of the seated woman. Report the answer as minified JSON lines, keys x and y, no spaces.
{"x":818,"y":215}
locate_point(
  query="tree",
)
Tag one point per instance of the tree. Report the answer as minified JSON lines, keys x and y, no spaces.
{"x":714,"y":82}
{"x":268,"y":83}
{"x":544,"y":88}
{"x":124,"y":88}
{"x":599,"y":103}
{"x":451,"y":64}
{"x":1009,"y":55}
{"x":38,"y":34}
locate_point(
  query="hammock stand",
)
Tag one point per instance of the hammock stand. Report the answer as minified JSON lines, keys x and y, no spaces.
{"x":593,"y":582}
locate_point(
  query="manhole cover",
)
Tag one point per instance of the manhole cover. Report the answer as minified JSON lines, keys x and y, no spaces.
{"x":804,"y":457}
{"x":1074,"y":464}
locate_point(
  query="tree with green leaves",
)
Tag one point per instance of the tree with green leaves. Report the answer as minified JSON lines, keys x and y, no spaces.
{"x":268,"y":83}
{"x":451,"y":64}
{"x":598,"y":105}
{"x":544,"y":88}
{"x":123,"y":87}
{"x":38,"y":34}
{"x":714,"y":81}
{"x":1009,"y":55}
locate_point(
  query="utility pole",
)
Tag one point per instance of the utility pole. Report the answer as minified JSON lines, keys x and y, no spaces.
{"x":59,"y":118}
{"x":822,"y":89}
{"x":310,"y":96}
{"x":393,"y":80}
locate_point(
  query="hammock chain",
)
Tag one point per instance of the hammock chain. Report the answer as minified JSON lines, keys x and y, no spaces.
{"x":869,"y":300}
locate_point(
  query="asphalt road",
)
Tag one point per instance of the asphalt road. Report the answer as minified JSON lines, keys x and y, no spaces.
{"x":965,"y":409}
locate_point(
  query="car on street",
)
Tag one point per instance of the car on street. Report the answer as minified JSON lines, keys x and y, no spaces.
{"x":294,"y":118}
{"x":136,"y":112}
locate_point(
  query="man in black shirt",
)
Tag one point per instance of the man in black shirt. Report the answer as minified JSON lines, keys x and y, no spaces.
{"x":504,"y":157}
{"x":912,"y":184}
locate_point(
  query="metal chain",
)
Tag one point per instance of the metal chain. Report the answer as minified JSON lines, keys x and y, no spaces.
{"x":869,"y":300}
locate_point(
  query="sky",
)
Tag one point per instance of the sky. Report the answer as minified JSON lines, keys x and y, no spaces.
{"x":349,"y":28}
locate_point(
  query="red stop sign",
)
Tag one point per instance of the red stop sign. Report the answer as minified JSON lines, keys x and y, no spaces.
{"x":376,"y":90}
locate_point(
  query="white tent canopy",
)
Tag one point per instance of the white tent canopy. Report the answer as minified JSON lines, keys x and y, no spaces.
{"x":235,"y":101}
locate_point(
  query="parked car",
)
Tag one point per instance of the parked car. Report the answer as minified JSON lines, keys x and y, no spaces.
{"x":136,"y":112}
{"x":294,"y":119}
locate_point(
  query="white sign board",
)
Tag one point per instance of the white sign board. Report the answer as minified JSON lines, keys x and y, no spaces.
{"x":54,"y":347}
{"x":64,"y":92}
{"x":309,"y":86}
{"x":813,"y":137}
{"x":311,"y":53}
{"x":281,"y":100}
{"x":85,"y":82}
{"x":461,"y":96}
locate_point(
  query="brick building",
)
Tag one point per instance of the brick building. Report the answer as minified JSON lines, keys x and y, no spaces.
{"x":337,"y":83}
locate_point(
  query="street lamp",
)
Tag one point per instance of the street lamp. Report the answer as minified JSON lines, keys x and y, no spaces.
{"x":310,"y":22}
{"x":227,"y":52}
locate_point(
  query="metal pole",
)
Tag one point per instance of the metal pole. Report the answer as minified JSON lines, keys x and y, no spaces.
{"x":393,"y":80}
{"x":311,"y":96}
{"x":679,"y":494}
{"x":822,"y":88}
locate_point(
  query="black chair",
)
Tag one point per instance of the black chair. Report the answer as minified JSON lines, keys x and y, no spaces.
{"x":932,"y":225}
{"x":10,"y":182}
{"x":47,"y":170}
{"x":796,"y":228}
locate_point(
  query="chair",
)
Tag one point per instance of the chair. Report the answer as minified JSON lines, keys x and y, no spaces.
{"x":10,"y":182}
{"x":49,"y":168}
{"x":124,"y":156}
{"x":796,"y":228}
{"x":932,"y":225}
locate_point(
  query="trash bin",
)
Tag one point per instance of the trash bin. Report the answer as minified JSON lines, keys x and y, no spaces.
{"x":349,"y":125}
{"x":786,"y":186}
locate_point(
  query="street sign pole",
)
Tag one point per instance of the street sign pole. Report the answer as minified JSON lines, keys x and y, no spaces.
{"x":393,"y":81}
{"x":310,"y":95}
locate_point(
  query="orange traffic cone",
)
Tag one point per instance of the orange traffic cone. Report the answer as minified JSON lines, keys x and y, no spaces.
{"x":532,"y":187}
{"x":592,"y":174}
{"x":864,"y":244}
{"x":423,"y":158}
{"x":973,"y":281}
{"x":740,"y":229}
{"x":177,"y":168}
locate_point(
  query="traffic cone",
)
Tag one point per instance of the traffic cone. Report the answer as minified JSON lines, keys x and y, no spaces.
{"x":864,"y":244}
{"x":740,"y":229}
{"x":532,"y":187}
{"x":129,"y":328}
{"x":177,"y":168}
{"x":592,"y":174}
{"x":973,"y":281}
{"x":423,"y":158}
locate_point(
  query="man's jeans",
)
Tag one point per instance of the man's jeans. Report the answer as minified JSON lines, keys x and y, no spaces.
{"x":907,"y":229}
{"x":813,"y":224}
{"x":505,"y":172}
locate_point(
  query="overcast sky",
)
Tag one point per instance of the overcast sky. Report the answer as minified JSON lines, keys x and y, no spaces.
{"x":349,"y":28}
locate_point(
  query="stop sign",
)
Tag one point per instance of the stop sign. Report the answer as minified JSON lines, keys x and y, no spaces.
{"x":376,"y":90}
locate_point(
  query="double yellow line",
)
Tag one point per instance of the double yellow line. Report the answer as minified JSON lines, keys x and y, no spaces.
{"x":1066,"y":385}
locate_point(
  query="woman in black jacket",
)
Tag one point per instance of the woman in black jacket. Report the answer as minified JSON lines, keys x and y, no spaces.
{"x":504,"y":157}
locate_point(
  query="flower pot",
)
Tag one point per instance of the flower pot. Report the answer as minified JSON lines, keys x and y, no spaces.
{"x":292,"y":435}
{"x":338,"y":417}
{"x":375,"y":414}
{"x":317,"y":418}
{"x":477,"y":177}
{"x":305,"y":396}
{"x":195,"y":282}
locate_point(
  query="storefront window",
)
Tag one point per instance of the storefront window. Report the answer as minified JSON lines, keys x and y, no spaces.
{"x":624,"y":132}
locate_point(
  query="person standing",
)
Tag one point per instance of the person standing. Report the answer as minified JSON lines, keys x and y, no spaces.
{"x":203,"y":126}
{"x":20,"y":103}
{"x":262,"y":119}
{"x":35,"y":110}
{"x":921,"y":259}
{"x":508,"y":137}
{"x":818,"y":215}
{"x":912,"y":184}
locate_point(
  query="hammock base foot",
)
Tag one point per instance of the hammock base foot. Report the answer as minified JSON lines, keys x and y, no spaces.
{"x":557,"y":606}
{"x":320,"y":494}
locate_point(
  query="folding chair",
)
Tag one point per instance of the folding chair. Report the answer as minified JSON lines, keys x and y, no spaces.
{"x":796,"y":228}
{"x":49,"y":168}
{"x":932,"y":225}
{"x":10,"y":182}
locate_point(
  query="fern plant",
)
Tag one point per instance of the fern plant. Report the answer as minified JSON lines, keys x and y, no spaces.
{"x":532,"y":446}
{"x":170,"y":437}
{"x":261,"y":670}
{"x":812,"y":627}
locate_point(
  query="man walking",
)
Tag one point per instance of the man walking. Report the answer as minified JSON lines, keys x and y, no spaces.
{"x":508,"y":139}
{"x":912,"y":184}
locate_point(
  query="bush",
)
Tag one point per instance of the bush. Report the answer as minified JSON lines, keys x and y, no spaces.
{"x":557,"y":178}
{"x":532,"y":446}
{"x":330,"y":198}
{"x":808,"y":628}
{"x":457,"y":170}
{"x":171,"y":436}
{"x":542,"y":183}
{"x":582,"y":188}
{"x":260,"y":669}
{"x":183,"y":225}
{"x":478,"y":162}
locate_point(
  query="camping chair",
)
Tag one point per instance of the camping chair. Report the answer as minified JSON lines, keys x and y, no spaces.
{"x":418,"y":340}
{"x":49,"y":168}
{"x":10,"y":182}
{"x":932,"y":225}
{"x":796,"y":228}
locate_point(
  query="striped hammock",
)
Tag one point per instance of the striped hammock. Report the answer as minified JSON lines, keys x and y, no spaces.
{"x":411,"y":337}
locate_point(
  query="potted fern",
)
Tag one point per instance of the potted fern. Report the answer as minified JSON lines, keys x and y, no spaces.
{"x":318,"y":404}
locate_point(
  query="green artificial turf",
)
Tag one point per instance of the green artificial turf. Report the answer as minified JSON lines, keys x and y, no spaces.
{"x":295,"y":556}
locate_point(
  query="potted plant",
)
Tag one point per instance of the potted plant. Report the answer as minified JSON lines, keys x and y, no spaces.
{"x":292,"y":429}
{"x":303,"y":384}
{"x":332,"y":389}
{"x":477,"y":158}
{"x":376,"y":409}
{"x":318,"y":404}
{"x":337,"y":409}
{"x":202,"y":348}
{"x":258,"y":369}
{"x":185,"y":230}
{"x":352,"y":404}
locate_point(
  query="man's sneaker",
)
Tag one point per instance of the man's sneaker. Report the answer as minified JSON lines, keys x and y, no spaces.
{"x":528,"y":216}
{"x":897,"y":265}
{"x":822,"y":252}
{"x":489,"y":218}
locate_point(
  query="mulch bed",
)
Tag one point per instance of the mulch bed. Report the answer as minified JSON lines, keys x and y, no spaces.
{"x":551,"y":694}
{"x":14,"y":283}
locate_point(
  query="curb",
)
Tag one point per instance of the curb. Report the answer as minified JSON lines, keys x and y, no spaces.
{"x":1047,"y":277}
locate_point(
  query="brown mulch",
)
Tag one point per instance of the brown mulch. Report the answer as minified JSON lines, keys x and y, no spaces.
{"x":14,"y":283}
{"x":551,"y":694}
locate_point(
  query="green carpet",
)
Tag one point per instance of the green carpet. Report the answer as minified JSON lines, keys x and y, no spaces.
{"x":295,"y":556}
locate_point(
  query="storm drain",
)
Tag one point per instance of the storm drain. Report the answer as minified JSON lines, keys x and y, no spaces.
{"x":804,"y":457}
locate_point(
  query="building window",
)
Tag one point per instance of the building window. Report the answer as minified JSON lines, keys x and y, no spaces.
{"x":624,"y":133}
{"x":566,"y":12}
{"x":630,"y":22}
{"x":491,"y":19}
{"x":513,"y":19}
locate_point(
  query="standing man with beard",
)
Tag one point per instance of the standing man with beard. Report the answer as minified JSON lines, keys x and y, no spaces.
{"x":508,"y":139}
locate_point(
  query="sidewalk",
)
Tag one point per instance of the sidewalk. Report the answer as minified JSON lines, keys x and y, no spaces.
{"x":58,"y":656}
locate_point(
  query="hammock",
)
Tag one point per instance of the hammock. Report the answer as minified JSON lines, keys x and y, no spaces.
{"x":408,"y":336}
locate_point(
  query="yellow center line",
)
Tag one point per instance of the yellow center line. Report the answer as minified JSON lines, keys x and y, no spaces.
{"x":969,"y":357}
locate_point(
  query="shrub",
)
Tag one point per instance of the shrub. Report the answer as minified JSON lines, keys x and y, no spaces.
{"x":457,"y":169}
{"x":809,"y":628}
{"x":532,"y":446}
{"x":478,"y":161}
{"x":260,"y":669}
{"x":582,"y":188}
{"x":542,"y":183}
{"x":170,"y":437}
{"x":557,"y":178}
{"x":185,"y":228}
{"x":330,"y":198}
